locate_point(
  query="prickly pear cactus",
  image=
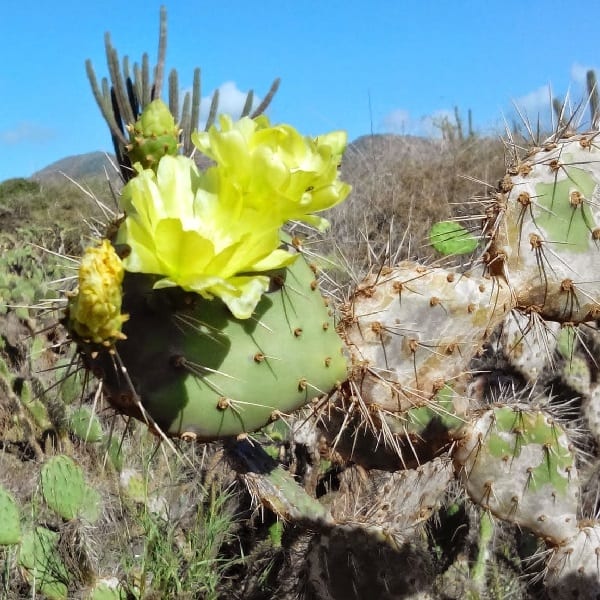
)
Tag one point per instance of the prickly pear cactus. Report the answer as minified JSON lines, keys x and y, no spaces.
{"x":573,"y":570}
{"x":41,"y":563}
{"x":202,"y":373}
{"x":545,"y":228}
{"x":519,"y":464}
{"x":205,"y":322}
{"x":200,"y":320}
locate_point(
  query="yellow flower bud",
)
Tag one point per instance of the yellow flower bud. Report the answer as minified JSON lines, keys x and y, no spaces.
{"x":94,"y":312}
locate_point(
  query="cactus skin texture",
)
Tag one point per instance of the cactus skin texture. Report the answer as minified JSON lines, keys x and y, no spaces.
{"x":153,"y":136}
{"x":202,"y":373}
{"x":545,"y":230}
{"x":411,"y":328}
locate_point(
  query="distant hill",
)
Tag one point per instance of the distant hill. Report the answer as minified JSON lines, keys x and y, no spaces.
{"x":78,"y":167}
{"x":367,"y":147}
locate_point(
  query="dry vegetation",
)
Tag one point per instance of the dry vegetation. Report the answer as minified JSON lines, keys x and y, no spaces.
{"x":402,"y":185}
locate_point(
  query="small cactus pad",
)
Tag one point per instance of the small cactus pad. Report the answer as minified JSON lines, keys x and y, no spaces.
{"x":42,"y":566}
{"x":201,"y":373}
{"x":518,"y":463}
{"x":65,"y":490}
{"x":10,"y":525}
{"x":85,"y":425}
{"x":527,"y":344}
{"x":548,"y":246}
{"x":449,"y":238}
{"x":107,"y":589}
{"x":153,"y":135}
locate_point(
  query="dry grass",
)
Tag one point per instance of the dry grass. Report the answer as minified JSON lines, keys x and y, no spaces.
{"x":401,"y":186}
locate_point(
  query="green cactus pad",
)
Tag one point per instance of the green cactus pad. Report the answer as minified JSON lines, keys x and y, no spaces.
{"x":45,"y":572}
{"x":449,"y":237}
{"x":518,"y":463}
{"x":548,"y":242}
{"x":133,"y":485}
{"x":86,"y":425}
{"x":107,"y":589}
{"x":65,"y":490}
{"x":10,"y":524}
{"x":153,"y":135}
{"x":202,"y":373}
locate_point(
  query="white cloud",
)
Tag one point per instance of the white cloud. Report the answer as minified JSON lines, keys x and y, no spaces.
{"x":536,"y":102}
{"x":26,"y":131}
{"x":231,"y":101}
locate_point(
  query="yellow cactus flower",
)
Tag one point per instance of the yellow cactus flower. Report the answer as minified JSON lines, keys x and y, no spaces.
{"x":198,"y":233}
{"x":94,"y":311}
{"x":277,"y":169}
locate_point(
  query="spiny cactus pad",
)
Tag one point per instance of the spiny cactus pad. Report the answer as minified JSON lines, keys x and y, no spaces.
{"x":203,"y":373}
{"x":518,"y":463}
{"x":65,"y":490}
{"x":412,"y":328}
{"x":42,"y":566}
{"x":573,"y":568}
{"x":548,"y":245}
{"x":85,"y":425}
{"x":10,"y":524}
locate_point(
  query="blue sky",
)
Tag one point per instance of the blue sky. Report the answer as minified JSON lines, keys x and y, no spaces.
{"x":373,"y":65}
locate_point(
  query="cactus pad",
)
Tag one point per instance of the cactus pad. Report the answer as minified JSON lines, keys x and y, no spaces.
{"x":10,"y":525}
{"x":573,"y":570}
{"x":548,"y":247}
{"x":65,"y":490}
{"x":85,"y":425}
{"x":518,"y":463}
{"x":38,"y":556}
{"x":418,"y":327}
{"x":203,"y":373}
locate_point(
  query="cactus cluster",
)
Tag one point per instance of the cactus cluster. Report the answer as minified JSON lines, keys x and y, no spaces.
{"x":205,"y":320}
